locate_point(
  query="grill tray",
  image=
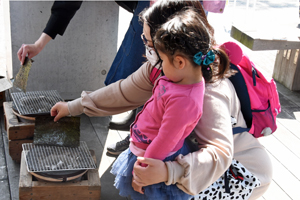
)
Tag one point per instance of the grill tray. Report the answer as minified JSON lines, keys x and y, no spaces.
{"x":42,"y":158}
{"x":35,"y":102}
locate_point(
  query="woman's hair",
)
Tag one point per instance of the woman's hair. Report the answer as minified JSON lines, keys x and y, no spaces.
{"x":187,"y":34}
{"x":161,"y":10}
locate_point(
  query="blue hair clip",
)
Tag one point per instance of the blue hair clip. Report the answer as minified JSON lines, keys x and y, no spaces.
{"x":206,"y":59}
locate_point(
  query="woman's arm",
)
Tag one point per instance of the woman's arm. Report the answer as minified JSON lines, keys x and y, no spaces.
{"x":196,"y":171}
{"x":61,"y":14}
{"x":156,"y":169}
{"x":33,"y":49}
{"x":117,"y":97}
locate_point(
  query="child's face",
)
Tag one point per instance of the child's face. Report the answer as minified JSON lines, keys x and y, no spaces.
{"x":169,"y":68}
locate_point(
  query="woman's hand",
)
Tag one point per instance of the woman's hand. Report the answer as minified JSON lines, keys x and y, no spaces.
{"x":33,"y":49}
{"x":155,"y":172}
{"x":136,"y":187}
{"x":28,"y":49}
{"x":59,"y":110}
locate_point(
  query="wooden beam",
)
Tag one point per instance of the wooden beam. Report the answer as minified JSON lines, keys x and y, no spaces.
{"x":253,"y":42}
{"x":16,"y":130}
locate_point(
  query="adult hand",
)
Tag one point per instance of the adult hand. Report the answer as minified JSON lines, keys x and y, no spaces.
{"x":32,"y":50}
{"x":155,"y":172}
{"x":59,"y":110}
{"x":27,"y":49}
{"x":136,"y":187}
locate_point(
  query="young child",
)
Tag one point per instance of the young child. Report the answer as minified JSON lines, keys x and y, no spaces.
{"x":184,"y":46}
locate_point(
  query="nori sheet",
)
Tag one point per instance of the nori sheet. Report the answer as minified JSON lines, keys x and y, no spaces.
{"x":65,"y":132}
{"x":21,"y":79}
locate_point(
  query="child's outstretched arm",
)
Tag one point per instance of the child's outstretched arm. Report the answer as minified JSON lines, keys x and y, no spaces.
{"x":118,"y":97}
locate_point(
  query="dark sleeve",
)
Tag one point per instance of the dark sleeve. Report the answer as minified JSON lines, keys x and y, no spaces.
{"x":61,"y":14}
{"x":128,"y":5}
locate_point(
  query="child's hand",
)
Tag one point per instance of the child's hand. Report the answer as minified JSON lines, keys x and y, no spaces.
{"x":59,"y":110}
{"x":136,"y":187}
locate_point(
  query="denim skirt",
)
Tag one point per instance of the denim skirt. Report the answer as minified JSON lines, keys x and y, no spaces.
{"x":122,"y":169}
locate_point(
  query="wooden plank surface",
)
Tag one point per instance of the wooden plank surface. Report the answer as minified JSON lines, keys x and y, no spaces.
{"x":275,"y":192}
{"x":286,"y":69}
{"x":253,"y":41}
{"x":15,"y":148}
{"x":26,"y":180}
{"x":16,"y":130}
{"x":4,"y":186}
{"x":106,"y":138}
{"x":13,"y":169}
{"x":94,"y":131}
{"x":284,"y":148}
{"x":93,"y":176}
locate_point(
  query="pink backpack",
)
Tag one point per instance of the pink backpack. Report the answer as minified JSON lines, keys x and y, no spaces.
{"x":258,"y":95}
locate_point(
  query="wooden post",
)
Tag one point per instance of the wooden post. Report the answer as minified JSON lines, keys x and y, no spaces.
{"x":17,"y":132}
{"x":287,"y":68}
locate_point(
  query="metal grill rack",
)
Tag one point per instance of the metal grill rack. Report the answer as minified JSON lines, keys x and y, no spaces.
{"x":42,"y":158}
{"x":35,"y":102}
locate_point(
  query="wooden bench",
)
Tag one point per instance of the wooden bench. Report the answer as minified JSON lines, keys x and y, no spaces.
{"x":287,"y":64}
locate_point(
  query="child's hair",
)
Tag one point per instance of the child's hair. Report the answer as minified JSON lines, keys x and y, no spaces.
{"x":161,"y":10}
{"x":186,"y":34}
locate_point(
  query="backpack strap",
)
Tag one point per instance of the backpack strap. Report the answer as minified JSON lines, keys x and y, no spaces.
{"x":226,"y":182}
{"x":240,"y":87}
{"x":236,"y":130}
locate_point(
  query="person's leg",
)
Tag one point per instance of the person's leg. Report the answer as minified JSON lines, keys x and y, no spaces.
{"x":254,"y":157}
{"x":128,"y":59}
{"x":130,"y":54}
{"x":125,"y":124}
{"x":116,"y":149}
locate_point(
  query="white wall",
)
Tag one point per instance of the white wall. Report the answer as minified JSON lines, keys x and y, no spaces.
{"x":75,"y":62}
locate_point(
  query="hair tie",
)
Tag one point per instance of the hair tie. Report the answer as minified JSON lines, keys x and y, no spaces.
{"x":206,"y":59}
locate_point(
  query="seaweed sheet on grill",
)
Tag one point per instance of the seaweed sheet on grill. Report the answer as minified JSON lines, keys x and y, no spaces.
{"x":65,"y":132}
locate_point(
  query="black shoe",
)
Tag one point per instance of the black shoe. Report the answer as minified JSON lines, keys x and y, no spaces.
{"x":124,"y":125}
{"x":117,"y":148}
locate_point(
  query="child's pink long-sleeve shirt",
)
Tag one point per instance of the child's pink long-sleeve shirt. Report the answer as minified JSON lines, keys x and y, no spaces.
{"x":167,"y":118}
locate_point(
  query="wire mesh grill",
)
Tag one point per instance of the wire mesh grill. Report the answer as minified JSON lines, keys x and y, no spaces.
{"x":35,"y":102}
{"x":42,"y":158}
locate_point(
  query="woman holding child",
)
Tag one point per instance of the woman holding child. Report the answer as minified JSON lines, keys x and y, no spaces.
{"x":190,"y":172}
